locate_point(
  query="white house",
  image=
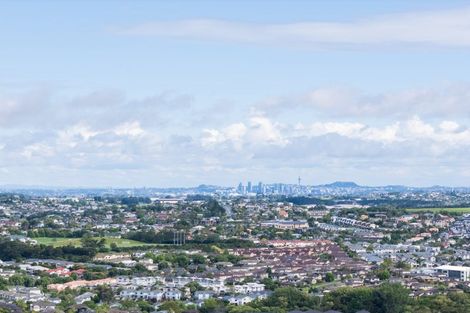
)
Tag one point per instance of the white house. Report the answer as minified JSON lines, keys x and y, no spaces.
{"x":240,"y":299}
{"x":146,"y":281}
{"x":144,"y":294}
{"x":203,"y":295}
{"x":248,"y":288}
{"x":173,"y":294}
{"x":87,"y":296}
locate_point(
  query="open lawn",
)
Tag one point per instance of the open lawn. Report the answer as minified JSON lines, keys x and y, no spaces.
{"x":59,"y":242}
{"x":437,"y":210}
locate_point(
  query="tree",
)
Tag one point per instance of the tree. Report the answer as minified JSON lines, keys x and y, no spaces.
{"x":387,"y":298}
{"x":213,"y":306}
{"x":213,"y":208}
{"x":270,"y":283}
{"x":93,"y":243}
{"x":450,"y":303}
{"x":66,"y":300}
{"x":144,"y":306}
{"x":128,"y":304}
{"x":22,"y":305}
{"x":242,"y":309}
{"x":172,"y":306}
{"x":329,"y":277}
{"x":3,"y":284}
{"x":383,"y":274}
{"x":386,"y":264}
{"x":182,"y":260}
{"x":349,"y":300}
{"x":114,"y":246}
{"x":104,"y":294}
{"x":103,"y":308}
{"x":291,"y":298}
{"x":198,"y":259}
{"x":390,"y":298}
{"x":403,"y":265}
{"x":194,"y":286}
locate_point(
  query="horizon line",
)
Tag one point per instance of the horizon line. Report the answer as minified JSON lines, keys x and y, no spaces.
{"x":48,"y":187}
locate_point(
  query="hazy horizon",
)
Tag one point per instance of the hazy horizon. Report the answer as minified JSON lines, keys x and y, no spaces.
{"x":63,"y":187}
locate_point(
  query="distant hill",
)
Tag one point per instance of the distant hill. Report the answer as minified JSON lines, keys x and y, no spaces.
{"x":342,"y":184}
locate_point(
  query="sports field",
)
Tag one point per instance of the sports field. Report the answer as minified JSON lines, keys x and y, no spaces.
{"x":437,"y":210}
{"x":59,"y":242}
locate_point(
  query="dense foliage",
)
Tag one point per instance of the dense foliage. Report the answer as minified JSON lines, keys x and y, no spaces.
{"x":386,"y":298}
{"x":167,"y":237}
{"x":14,"y":250}
{"x":302,"y":200}
{"x":213,"y":208}
{"x":56,"y":233}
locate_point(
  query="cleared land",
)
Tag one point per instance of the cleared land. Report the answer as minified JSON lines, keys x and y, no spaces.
{"x":437,"y":210}
{"x":59,"y":242}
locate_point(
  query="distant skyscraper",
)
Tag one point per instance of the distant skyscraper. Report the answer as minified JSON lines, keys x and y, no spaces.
{"x":240,"y":188}
{"x":248,"y":187}
{"x":260,"y":187}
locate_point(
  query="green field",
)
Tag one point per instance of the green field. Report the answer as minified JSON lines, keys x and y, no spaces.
{"x":437,"y":210}
{"x":59,"y":242}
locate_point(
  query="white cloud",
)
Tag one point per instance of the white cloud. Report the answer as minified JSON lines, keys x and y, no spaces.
{"x":446,"y":133}
{"x":405,"y":136}
{"x":233,"y":134}
{"x":37,"y":149}
{"x":449,"y":126}
{"x":447,"y":28}
{"x":448,"y":100}
{"x":263,"y":130}
{"x":356,"y":130}
{"x":416,"y":128}
{"x":257,"y":131}
{"x":132,"y":129}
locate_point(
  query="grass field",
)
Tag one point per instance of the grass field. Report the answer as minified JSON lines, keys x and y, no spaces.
{"x":437,"y":210}
{"x":59,"y":242}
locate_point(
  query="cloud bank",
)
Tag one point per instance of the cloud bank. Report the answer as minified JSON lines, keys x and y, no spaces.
{"x":108,"y":138}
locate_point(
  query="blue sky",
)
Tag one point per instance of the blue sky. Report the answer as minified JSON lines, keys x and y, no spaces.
{"x":155,"y":93}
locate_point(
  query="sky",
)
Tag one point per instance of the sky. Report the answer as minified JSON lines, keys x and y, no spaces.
{"x":182,"y":93}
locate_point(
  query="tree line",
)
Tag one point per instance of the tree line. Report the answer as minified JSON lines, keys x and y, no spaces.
{"x":386,"y":298}
{"x":15,"y":250}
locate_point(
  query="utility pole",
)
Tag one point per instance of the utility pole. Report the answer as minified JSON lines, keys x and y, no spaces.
{"x":179,"y":237}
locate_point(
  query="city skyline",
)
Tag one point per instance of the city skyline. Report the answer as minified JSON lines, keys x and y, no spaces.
{"x":129,"y":94}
